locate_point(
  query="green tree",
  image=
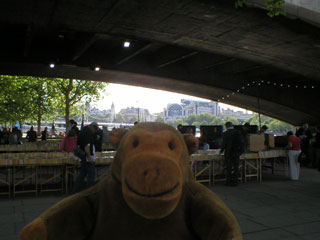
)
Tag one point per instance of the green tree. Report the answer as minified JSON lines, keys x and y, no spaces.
{"x":26,"y":98}
{"x":205,"y":118}
{"x":177,"y":122}
{"x":119,"y":118}
{"x":15,"y":99}
{"x":45,"y":99}
{"x":216,"y":121}
{"x":160,"y":119}
{"x":197,"y":124}
{"x":74,"y":91}
{"x":190,"y":119}
{"x":273,"y":125}
{"x":279,"y":126}
{"x":231,"y":119}
{"x":274,"y":7}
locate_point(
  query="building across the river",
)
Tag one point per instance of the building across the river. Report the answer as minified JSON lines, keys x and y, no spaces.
{"x":187,"y":107}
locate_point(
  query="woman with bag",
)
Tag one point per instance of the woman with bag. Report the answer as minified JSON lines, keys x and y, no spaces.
{"x":69,"y":143}
{"x":294,"y":146}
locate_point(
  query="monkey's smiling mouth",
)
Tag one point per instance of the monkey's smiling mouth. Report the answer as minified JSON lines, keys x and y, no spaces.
{"x":152,"y":195}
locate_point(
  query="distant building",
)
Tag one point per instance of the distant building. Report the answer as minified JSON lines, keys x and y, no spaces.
{"x":112,"y":112}
{"x":187,"y":107}
{"x":133,"y":114}
{"x":108,"y":115}
{"x":236,"y":114}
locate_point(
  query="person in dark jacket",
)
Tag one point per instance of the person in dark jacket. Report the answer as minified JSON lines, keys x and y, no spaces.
{"x":98,"y":140}
{"x":232,"y":146}
{"x":86,"y":143}
{"x":44,"y":134}
{"x":31,"y":135}
{"x":180,"y":128}
{"x":15,"y":136}
{"x":4,"y":138}
{"x":305,"y":135}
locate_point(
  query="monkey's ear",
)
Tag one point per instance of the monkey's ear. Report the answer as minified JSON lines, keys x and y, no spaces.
{"x":116,"y":135}
{"x":191,"y":142}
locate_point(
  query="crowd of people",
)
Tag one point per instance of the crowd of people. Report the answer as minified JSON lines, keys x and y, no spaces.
{"x":303,"y":147}
{"x":10,"y":136}
{"x":84,"y":144}
{"x":89,"y":139}
{"x":14,"y":135}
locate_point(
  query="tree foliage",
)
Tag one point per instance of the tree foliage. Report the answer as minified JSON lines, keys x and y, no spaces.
{"x":44,"y":100}
{"x":32,"y":98}
{"x":15,"y":99}
{"x":160,"y":119}
{"x":74,"y":91}
{"x":26,"y":98}
{"x":197,"y":120}
{"x":210,"y":119}
{"x":274,"y":7}
{"x":119,"y":118}
{"x":273,"y":124}
{"x":234,"y":120}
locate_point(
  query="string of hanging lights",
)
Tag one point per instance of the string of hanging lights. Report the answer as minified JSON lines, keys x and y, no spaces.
{"x":268,"y":83}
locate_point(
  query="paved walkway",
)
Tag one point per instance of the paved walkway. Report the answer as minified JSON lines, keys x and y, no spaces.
{"x":275,"y":209}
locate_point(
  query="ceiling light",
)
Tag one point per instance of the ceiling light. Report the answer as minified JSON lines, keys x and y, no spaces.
{"x":126,"y":44}
{"x":52,"y":65}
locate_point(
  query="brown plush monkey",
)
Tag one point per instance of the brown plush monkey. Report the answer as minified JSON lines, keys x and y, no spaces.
{"x":149,"y":193}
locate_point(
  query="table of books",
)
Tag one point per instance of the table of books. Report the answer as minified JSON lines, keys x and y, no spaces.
{"x":37,"y":172}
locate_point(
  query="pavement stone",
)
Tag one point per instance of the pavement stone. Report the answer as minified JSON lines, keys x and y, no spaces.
{"x":304,"y":229}
{"x":277,"y":208}
{"x":248,"y":226}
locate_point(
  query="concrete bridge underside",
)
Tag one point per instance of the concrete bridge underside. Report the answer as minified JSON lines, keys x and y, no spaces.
{"x":202,"y":48}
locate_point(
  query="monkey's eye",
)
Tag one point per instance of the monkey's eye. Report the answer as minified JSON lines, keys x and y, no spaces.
{"x":135,"y":143}
{"x":171,"y":145}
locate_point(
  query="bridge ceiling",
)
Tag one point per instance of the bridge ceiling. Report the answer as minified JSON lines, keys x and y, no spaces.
{"x":203,"y":48}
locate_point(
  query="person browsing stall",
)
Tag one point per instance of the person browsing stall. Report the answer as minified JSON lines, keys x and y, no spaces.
{"x":294,"y":150}
{"x":69,"y":142}
{"x":86,"y":141}
{"x":232,"y":147}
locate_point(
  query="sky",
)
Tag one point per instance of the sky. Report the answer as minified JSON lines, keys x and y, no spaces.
{"x":155,"y":101}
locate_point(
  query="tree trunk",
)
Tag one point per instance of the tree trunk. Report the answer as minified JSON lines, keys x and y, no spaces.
{"x":40,"y":103}
{"x":67,"y":95}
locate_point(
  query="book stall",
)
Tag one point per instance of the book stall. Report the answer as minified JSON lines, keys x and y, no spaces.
{"x":49,"y":170}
